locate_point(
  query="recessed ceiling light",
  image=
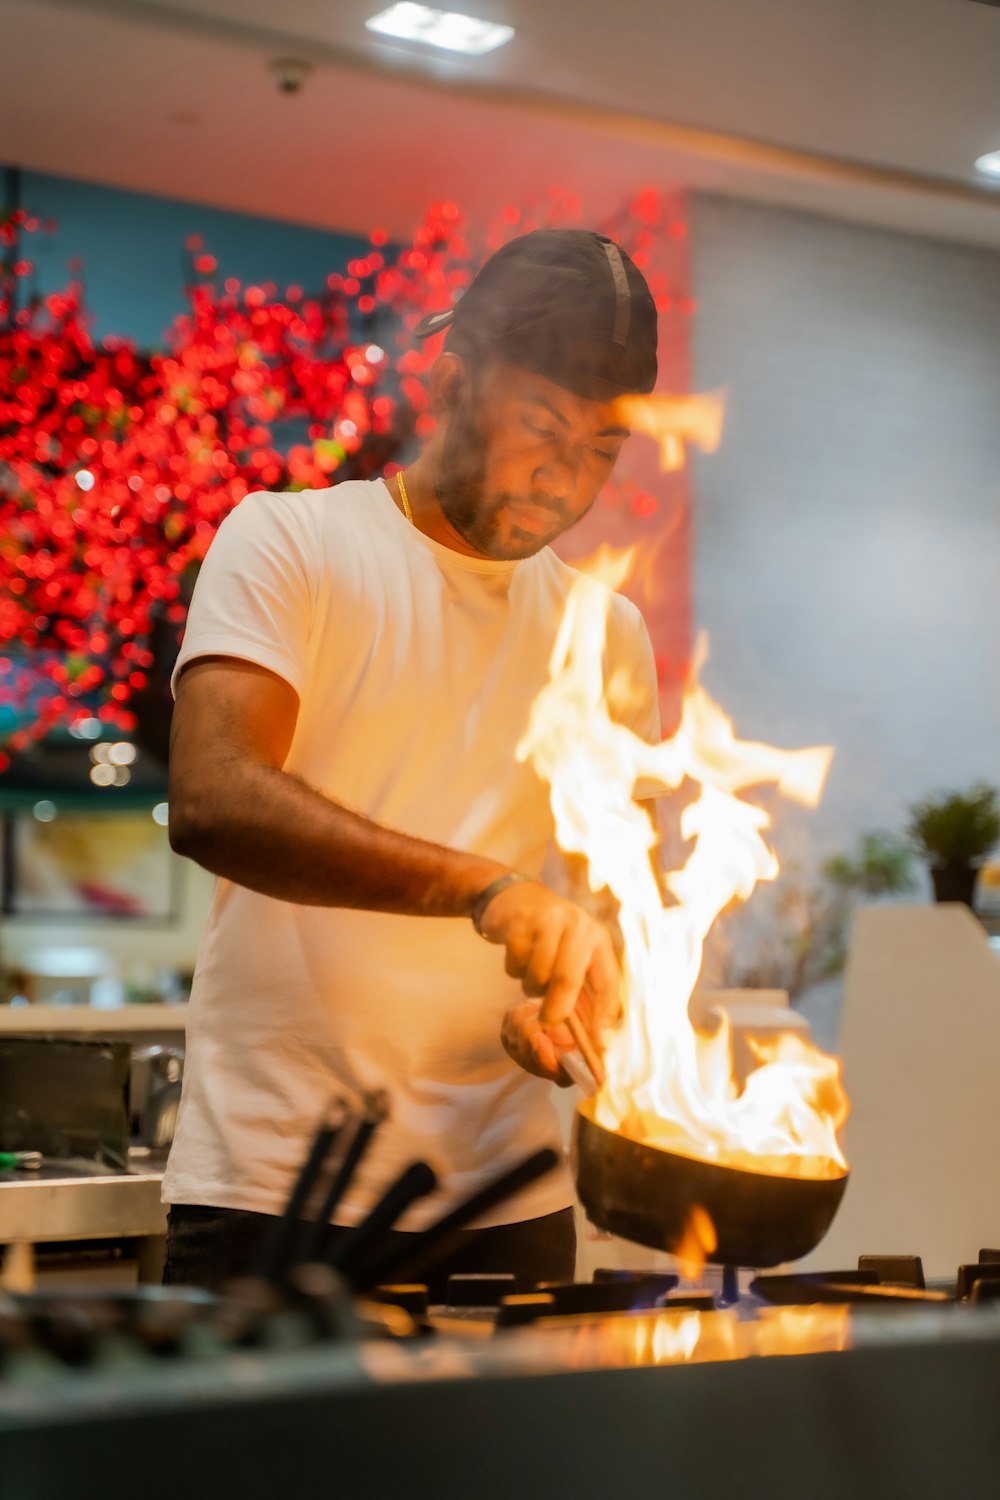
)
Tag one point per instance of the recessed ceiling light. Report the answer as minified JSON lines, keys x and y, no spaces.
{"x":440,"y":28}
{"x":989,"y":164}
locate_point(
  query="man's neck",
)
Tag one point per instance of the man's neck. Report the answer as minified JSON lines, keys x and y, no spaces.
{"x":425,"y":507}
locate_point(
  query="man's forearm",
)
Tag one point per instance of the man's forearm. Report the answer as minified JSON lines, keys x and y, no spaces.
{"x":265,"y":829}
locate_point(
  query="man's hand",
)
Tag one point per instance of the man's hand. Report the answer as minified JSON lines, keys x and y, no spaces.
{"x":534,"y":1047}
{"x":565,"y":960}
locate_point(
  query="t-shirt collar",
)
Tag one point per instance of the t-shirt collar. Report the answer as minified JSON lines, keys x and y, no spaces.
{"x":448,"y":555}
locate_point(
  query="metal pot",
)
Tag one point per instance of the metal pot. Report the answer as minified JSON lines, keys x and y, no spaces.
{"x":648,"y":1195}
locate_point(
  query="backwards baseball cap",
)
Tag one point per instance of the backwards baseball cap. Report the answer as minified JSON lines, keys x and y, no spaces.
{"x":564,"y":303}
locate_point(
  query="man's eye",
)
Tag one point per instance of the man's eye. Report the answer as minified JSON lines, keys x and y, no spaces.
{"x":601,"y":453}
{"x":539,"y":431}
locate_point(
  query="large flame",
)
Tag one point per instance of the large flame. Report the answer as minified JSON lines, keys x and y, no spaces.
{"x":667,"y":1083}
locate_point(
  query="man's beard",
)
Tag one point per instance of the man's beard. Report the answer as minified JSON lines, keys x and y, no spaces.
{"x":460,"y":483}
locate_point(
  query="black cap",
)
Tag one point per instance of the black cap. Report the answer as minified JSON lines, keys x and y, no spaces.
{"x":566,"y":303}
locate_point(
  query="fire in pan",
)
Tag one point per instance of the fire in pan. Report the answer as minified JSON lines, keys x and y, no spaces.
{"x":661,"y":1198}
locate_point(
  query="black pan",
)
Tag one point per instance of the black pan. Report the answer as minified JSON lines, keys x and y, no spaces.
{"x":648,"y":1195}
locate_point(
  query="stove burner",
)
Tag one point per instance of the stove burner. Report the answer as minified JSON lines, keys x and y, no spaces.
{"x":979,"y":1282}
{"x":316,"y":1306}
{"x":634,"y":1294}
{"x":478,"y":1290}
{"x":856,"y":1288}
{"x":880,"y":1281}
{"x":886,"y":1280}
{"x":516,"y":1311}
{"x":895,"y":1270}
{"x":410,"y":1296}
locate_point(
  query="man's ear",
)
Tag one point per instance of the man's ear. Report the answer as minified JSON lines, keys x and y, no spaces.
{"x":447,"y":382}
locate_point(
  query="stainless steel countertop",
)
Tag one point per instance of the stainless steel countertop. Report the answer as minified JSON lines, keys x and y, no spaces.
{"x":78,"y":1200}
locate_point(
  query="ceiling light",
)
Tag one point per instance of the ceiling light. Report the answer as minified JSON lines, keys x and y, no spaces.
{"x":440,"y":28}
{"x":989,"y":164}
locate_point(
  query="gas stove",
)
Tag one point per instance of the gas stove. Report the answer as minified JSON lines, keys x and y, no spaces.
{"x":879,"y":1282}
{"x":862,"y":1382}
{"x":310,"y":1376}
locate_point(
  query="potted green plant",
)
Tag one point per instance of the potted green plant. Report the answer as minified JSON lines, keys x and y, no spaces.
{"x":954,"y":834}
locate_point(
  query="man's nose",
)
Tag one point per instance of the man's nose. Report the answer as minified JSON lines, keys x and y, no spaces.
{"x":559,"y":475}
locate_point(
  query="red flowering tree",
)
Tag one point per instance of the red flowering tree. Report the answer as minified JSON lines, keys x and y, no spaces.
{"x":116,"y":467}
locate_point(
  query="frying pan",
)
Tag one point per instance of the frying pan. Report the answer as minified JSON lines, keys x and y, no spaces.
{"x":647,"y":1195}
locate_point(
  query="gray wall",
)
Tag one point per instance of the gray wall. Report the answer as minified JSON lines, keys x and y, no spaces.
{"x":847,"y":556}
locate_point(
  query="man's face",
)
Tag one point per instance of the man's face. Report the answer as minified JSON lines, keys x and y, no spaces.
{"x":522,"y":460}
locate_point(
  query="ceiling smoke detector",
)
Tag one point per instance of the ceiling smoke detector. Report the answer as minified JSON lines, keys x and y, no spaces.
{"x":440,"y":28}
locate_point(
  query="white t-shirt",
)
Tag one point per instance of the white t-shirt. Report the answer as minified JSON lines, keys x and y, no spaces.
{"x":415,"y":668}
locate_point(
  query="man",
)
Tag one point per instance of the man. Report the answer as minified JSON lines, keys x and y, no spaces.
{"x":357,"y":670}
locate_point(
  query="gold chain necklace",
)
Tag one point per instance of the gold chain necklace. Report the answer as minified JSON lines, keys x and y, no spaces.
{"x":407,"y":512}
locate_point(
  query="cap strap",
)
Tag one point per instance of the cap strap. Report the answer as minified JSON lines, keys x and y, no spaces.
{"x":623,"y":297}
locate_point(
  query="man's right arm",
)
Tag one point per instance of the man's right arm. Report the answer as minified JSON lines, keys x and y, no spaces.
{"x":235,"y":810}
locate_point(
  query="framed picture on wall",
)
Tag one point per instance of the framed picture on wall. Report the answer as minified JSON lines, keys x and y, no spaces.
{"x":89,"y":866}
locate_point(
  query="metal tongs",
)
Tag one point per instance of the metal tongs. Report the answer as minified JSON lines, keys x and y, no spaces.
{"x":582,"y":1062}
{"x":576,"y":1065}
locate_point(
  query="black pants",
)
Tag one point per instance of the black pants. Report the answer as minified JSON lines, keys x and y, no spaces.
{"x":206,"y":1247}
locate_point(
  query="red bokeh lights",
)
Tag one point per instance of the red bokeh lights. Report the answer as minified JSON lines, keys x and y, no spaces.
{"x":116,"y":467}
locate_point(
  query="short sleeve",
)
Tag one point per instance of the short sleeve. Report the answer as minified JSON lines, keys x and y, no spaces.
{"x":255,"y":591}
{"x":630,"y":652}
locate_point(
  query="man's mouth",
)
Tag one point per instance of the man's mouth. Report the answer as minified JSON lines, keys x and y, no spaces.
{"x":534,"y":518}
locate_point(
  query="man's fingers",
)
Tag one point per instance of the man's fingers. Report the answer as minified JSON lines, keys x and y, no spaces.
{"x":568,"y":974}
{"x":560,"y":1036}
{"x":513,"y":963}
{"x":530,"y":1045}
{"x":538,"y":971}
{"x":603,"y":987}
{"x":547,"y":1054}
{"x":554,"y":949}
{"x":517,"y":957}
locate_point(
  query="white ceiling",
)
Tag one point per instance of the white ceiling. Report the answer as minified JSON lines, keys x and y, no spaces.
{"x":873,"y":109}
